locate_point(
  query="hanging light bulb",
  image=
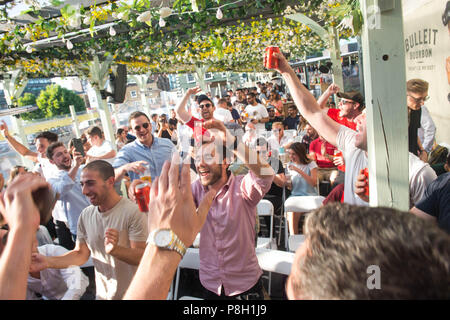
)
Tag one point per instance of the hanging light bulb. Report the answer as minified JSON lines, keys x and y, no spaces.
{"x":219,"y":14}
{"x":162,"y":22}
{"x":112,"y":31}
{"x":29,"y":49}
{"x":69,"y":45}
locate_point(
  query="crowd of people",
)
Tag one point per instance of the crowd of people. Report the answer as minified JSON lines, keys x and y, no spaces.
{"x":209,"y":163}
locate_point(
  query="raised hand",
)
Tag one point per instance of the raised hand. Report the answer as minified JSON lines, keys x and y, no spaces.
{"x":173,"y":205}
{"x":111,"y":240}
{"x":360,"y":186}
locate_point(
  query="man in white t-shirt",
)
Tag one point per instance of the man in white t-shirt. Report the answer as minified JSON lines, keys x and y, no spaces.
{"x":352,"y":143}
{"x":279,"y":139}
{"x":101,"y":149}
{"x":112,"y":231}
{"x":222,"y":113}
{"x":257,"y":113}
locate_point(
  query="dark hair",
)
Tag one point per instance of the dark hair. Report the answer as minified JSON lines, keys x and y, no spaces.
{"x":251,"y":94}
{"x":103,"y":167}
{"x":51,"y":149}
{"x":300,"y":150}
{"x":222,"y":100}
{"x":50,"y":136}
{"x":135,"y":115}
{"x":344,"y":241}
{"x":95,"y":131}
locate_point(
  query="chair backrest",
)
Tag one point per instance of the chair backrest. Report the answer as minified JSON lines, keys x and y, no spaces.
{"x":275,"y":260}
{"x":264,"y":208}
{"x":303,"y":203}
{"x":191,"y":259}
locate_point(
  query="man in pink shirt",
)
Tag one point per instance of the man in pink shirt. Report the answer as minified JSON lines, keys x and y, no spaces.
{"x":229,"y":267}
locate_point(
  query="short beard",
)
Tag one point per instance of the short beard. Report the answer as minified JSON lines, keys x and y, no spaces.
{"x":214,"y":179}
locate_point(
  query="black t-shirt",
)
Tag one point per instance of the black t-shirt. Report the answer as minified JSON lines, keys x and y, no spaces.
{"x":166,"y":134}
{"x":271,"y":121}
{"x":436,"y":201}
{"x":173,"y":122}
{"x":291,"y":123}
{"x":414,"y":125}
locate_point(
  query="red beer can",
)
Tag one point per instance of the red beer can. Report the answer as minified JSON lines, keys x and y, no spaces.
{"x":270,"y":62}
{"x":143,"y":196}
{"x":366,"y":173}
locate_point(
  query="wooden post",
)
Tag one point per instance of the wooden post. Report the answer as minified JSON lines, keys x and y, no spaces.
{"x":385,"y":90}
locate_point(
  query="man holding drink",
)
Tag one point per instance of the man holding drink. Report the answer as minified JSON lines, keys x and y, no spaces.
{"x":145,"y":153}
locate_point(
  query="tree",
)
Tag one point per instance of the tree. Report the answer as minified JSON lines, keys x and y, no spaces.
{"x":55,"y":100}
{"x":26,"y":100}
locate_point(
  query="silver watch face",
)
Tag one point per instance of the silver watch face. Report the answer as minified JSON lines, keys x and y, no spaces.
{"x":163,"y":238}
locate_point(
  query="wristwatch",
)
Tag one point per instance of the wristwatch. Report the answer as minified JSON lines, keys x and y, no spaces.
{"x":166,"y":239}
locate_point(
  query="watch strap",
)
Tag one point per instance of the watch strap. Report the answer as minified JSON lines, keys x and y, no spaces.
{"x":175,"y":244}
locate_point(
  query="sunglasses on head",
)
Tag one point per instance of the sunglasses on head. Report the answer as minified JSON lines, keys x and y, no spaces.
{"x":207,"y":105}
{"x":145,"y":126}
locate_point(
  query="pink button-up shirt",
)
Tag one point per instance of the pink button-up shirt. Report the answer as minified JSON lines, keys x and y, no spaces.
{"x":227,"y":242}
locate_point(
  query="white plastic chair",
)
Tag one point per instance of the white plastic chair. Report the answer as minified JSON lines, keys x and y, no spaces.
{"x":299,"y":204}
{"x":274,"y":261}
{"x":265,"y":208}
{"x":196,"y":243}
{"x":191,"y":260}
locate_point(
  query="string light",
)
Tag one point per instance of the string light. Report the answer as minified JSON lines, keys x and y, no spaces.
{"x":162,"y":22}
{"x":219,"y":14}
{"x":112,"y":31}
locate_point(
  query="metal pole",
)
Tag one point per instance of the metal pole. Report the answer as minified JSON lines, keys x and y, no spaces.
{"x":75,"y":124}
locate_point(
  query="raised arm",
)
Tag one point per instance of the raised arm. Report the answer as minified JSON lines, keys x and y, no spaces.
{"x":248,"y":156}
{"x":306,"y":103}
{"x":181,"y":107}
{"x":16,"y":145}
{"x":76,"y":257}
{"x":332,"y":89}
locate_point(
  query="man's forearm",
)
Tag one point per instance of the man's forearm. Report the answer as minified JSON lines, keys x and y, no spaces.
{"x":154,"y":275}
{"x":181,"y":109}
{"x":71,"y":258}
{"x":119,"y":173}
{"x":129,"y":255}
{"x":73,"y":171}
{"x":323,"y":99}
{"x":15,"y":263}
{"x":20,"y":148}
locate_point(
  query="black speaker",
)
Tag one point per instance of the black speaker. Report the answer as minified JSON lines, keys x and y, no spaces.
{"x":117,"y":85}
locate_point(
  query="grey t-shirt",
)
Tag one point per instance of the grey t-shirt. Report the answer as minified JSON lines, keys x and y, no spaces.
{"x":112,"y":276}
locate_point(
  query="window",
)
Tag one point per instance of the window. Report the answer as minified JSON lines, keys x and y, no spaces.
{"x":133,"y":94}
{"x":208,"y":76}
{"x":190,"y":78}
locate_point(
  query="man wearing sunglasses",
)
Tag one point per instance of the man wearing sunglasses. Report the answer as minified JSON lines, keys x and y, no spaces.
{"x":350,"y":106}
{"x":147,"y":151}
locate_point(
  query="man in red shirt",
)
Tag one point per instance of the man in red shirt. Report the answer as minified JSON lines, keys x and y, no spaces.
{"x":350,"y":106}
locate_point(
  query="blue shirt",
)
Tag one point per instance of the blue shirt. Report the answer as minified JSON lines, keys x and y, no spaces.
{"x":159,"y":152}
{"x":71,"y":199}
